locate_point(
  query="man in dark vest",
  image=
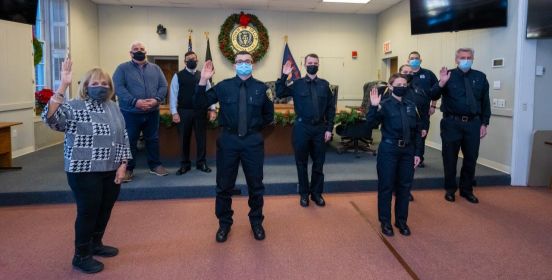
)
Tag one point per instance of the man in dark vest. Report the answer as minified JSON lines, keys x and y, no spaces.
{"x":183,"y":86}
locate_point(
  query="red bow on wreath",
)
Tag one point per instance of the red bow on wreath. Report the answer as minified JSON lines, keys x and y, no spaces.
{"x":244,"y":19}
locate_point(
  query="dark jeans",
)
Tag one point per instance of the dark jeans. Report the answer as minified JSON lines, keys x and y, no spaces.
{"x":309,"y":140}
{"x":395,"y":167}
{"x":231,"y":151}
{"x":95,"y":194}
{"x":457,"y":135}
{"x":148,"y":124}
{"x":196,"y":120}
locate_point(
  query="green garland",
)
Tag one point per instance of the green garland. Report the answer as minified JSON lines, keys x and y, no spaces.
{"x":37,"y":48}
{"x":225,"y":43}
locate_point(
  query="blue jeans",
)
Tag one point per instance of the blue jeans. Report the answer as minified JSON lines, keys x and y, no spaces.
{"x":148,"y":124}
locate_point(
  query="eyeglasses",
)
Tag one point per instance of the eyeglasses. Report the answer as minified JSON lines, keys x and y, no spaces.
{"x":248,"y":61}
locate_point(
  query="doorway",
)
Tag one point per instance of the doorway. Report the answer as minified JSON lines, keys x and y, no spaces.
{"x":169,"y":67}
{"x":390,"y":67}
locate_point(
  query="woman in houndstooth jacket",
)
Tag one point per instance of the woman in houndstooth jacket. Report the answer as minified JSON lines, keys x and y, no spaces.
{"x":96,"y":151}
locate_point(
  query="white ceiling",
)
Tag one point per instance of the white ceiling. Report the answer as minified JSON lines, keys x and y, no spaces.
{"x":372,"y":7}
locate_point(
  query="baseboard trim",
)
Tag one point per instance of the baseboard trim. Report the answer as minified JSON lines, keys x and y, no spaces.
{"x":483,"y":161}
{"x":23,"y":151}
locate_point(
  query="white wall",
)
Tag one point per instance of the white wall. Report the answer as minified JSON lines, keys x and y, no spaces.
{"x":438,"y":50}
{"x":331,"y":36}
{"x":543,"y":88}
{"x":83,"y":35}
{"x":16,"y":83}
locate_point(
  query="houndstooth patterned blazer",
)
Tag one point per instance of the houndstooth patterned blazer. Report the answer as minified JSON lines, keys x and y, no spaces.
{"x":95,"y":136}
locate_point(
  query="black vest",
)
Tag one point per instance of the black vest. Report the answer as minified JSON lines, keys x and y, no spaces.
{"x":187,"y":83}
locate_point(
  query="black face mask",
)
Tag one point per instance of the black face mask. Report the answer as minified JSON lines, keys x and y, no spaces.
{"x":139,"y":56}
{"x":400,"y":91}
{"x":312,"y":69}
{"x":191,"y":64}
{"x":97,"y":93}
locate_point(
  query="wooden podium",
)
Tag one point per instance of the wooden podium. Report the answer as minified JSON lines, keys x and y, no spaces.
{"x":5,"y":146}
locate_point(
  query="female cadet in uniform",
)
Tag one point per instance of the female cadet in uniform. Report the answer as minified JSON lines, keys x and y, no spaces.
{"x":398,"y":152}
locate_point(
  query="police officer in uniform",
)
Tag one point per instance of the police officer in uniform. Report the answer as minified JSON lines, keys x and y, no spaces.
{"x":424,"y":80}
{"x":398,"y":152}
{"x":314,"y":106}
{"x":466,"y":112}
{"x":421,"y":98}
{"x":245,"y":109}
{"x":183,"y":86}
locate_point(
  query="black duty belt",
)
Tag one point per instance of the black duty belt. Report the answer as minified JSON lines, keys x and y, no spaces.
{"x":235,"y":131}
{"x":310,"y":121}
{"x":398,"y":142}
{"x":462,"y":118}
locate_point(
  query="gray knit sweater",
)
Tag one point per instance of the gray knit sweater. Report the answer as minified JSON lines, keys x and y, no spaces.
{"x":95,"y":135}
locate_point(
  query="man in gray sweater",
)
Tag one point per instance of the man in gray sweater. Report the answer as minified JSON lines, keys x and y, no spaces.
{"x":141,"y":87}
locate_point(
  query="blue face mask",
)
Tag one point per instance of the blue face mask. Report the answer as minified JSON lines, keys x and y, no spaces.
{"x":415,"y":63}
{"x":244,"y":69}
{"x":465,"y":64}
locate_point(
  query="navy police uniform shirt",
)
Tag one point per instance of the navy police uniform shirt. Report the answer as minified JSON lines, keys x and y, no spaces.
{"x":388,"y":114}
{"x":454,"y":95}
{"x":260,"y":109}
{"x":303,"y":101}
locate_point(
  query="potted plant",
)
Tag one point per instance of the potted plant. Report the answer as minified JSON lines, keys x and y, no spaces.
{"x":42,"y":97}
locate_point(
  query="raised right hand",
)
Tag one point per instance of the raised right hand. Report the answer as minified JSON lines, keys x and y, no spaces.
{"x":287,"y":68}
{"x":375,"y":98}
{"x":66,"y":71}
{"x":208,"y":71}
{"x":176,"y":118}
{"x":444,"y":76}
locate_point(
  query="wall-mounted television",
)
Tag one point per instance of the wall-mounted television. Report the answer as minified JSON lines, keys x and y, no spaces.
{"x":431,"y":16}
{"x":23,"y":11}
{"x":539,"y":19}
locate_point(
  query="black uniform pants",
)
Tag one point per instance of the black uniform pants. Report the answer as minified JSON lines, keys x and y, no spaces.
{"x":309,"y":140}
{"x":395,"y":166}
{"x":196,"y":120}
{"x":95,"y":194}
{"x":457,"y":135}
{"x":231,"y":151}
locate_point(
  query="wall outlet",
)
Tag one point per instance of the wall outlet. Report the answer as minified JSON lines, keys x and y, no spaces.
{"x":501,"y":103}
{"x":495,"y":102}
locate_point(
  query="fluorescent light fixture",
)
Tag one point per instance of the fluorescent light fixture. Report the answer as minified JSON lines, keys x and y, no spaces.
{"x":347,"y":1}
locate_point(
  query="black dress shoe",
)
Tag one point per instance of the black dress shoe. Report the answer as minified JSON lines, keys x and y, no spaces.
{"x":318,"y":200}
{"x":222,"y":234}
{"x":258,"y":232}
{"x":450,"y":197}
{"x":182,"y":170}
{"x":410,"y":197}
{"x":204,"y":168}
{"x":470,"y":197}
{"x":387,"y":229}
{"x":304,"y":201}
{"x":403,"y":229}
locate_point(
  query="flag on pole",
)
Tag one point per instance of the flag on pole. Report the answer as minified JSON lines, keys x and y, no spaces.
{"x":208,"y":52}
{"x":295,"y":73}
{"x":190,"y":42}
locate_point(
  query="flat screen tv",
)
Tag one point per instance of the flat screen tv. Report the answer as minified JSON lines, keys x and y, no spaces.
{"x":431,"y":16}
{"x":539,"y":19}
{"x":23,"y":11}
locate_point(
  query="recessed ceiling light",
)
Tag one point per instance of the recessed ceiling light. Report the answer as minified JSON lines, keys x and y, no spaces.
{"x":347,"y":1}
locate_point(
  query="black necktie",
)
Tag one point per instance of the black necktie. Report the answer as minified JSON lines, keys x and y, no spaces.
{"x":316,"y":115}
{"x":470,"y":99}
{"x":405,"y":124}
{"x":242,"y":111}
